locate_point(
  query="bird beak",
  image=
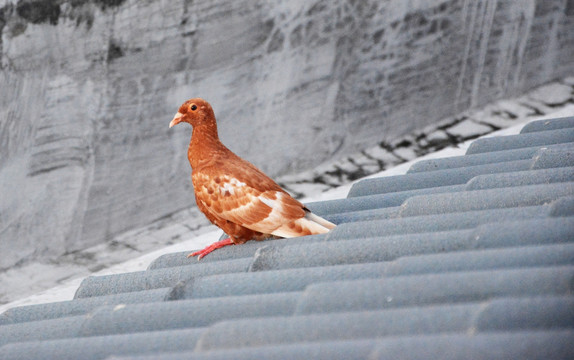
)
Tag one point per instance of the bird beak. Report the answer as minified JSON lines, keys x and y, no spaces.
{"x":176,"y":119}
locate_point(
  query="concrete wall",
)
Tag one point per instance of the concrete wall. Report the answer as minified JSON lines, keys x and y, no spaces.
{"x":88,"y":87}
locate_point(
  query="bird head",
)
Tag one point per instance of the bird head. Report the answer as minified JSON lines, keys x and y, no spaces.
{"x":195,"y":112}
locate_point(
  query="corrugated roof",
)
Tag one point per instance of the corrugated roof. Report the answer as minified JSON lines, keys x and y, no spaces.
{"x":462,"y":257}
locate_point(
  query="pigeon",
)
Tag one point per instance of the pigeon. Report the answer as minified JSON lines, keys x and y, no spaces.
{"x":234,"y":194}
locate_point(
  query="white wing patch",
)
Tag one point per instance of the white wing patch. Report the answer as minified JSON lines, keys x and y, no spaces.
{"x":229,"y":185}
{"x":267,"y":201}
{"x":234,"y":181}
{"x":227,"y":188}
{"x":275,"y":217}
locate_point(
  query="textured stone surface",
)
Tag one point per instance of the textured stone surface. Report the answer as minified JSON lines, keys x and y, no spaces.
{"x":553,"y":94}
{"x":405,"y":153}
{"x":87,"y":88}
{"x":468,"y":129}
{"x":382,"y":154}
{"x":438,"y":137}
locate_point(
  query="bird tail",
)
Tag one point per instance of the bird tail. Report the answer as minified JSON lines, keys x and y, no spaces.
{"x":319,"y":220}
{"x":310,"y":224}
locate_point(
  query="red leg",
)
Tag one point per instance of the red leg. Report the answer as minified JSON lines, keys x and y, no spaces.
{"x":210,"y":248}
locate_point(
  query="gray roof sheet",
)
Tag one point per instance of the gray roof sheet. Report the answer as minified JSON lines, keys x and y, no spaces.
{"x":462,"y":257}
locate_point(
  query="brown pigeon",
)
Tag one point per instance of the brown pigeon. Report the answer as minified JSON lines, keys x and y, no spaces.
{"x":234,"y":194}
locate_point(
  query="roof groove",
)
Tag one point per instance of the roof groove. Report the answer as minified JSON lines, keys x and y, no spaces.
{"x":482,"y":158}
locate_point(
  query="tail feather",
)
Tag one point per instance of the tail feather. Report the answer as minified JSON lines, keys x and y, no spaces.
{"x":310,"y":224}
{"x":319,"y":220}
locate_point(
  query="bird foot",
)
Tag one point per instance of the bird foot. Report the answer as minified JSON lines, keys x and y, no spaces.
{"x":210,"y":248}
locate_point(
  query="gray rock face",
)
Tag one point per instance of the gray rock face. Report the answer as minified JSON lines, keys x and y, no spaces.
{"x":87,"y":88}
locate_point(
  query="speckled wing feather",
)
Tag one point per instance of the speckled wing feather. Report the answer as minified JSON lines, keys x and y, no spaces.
{"x":238,"y":192}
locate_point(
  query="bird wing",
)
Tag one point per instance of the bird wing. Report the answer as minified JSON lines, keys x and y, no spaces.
{"x":253,"y":205}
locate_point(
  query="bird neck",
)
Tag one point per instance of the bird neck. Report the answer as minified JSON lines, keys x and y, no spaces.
{"x":204,"y":146}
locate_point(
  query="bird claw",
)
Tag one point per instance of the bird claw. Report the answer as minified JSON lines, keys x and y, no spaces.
{"x":210,"y":248}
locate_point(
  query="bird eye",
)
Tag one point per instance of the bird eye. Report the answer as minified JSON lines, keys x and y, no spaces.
{"x":193,"y":107}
